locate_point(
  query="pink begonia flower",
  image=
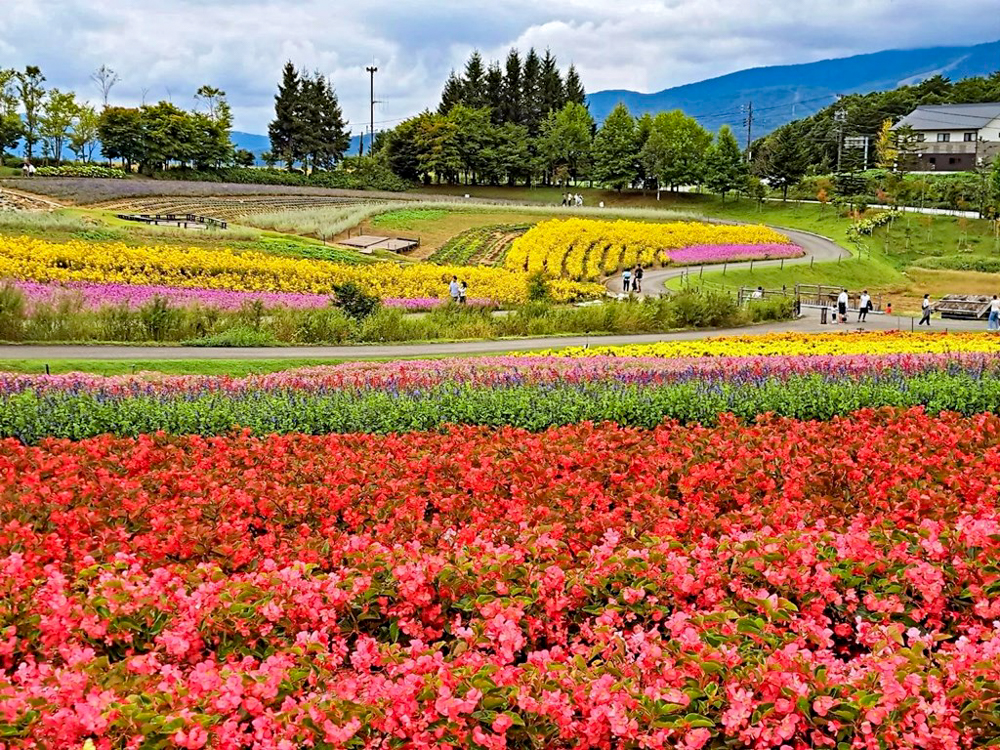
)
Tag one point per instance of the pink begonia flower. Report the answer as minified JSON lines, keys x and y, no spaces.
{"x":502,"y":723}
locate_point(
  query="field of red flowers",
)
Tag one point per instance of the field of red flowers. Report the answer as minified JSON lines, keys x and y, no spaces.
{"x":776,"y":585}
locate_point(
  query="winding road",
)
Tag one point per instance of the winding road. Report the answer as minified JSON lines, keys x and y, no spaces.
{"x":820,"y":249}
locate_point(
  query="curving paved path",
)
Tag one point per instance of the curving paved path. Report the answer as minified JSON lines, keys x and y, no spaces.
{"x":820,"y":249}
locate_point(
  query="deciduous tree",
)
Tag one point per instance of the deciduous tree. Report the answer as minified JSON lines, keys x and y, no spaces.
{"x":59,"y":110}
{"x":31,"y":93}
{"x":725,"y":169}
{"x":616,"y":149}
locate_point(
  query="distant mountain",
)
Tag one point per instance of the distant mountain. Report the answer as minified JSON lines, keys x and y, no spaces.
{"x":784,"y":93}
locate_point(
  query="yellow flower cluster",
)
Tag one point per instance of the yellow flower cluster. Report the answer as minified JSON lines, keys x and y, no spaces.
{"x":589,"y":249}
{"x":798,"y":344}
{"x":36,"y":260}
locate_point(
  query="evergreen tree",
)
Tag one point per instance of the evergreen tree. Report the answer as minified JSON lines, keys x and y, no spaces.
{"x":553,"y":91}
{"x":474,"y":82}
{"x":494,"y":93}
{"x":285,"y":130}
{"x":615,"y":149}
{"x":531,"y":93}
{"x":574,"y":87}
{"x":725,"y":168}
{"x":451,"y":95}
{"x":512,"y":93}
{"x":31,"y":93}
{"x":325,"y":134}
{"x":643,"y":128}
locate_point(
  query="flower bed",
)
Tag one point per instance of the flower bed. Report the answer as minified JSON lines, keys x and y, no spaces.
{"x":590,"y":249}
{"x":785,"y":584}
{"x":722,"y":253}
{"x":534,"y":394}
{"x":96,"y":296}
{"x":796,"y":344}
{"x":35,"y":260}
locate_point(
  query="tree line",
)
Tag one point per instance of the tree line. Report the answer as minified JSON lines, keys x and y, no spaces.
{"x":814,"y":145}
{"x":473,"y":145}
{"x":308,"y":128}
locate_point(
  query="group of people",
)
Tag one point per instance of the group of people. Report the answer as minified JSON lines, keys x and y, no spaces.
{"x":28,"y":169}
{"x":458,"y":290}
{"x":632,"y":279}
{"x":865,"y":306}
{"x":572,"y":199}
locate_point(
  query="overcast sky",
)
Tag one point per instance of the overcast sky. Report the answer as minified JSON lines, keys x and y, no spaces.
{"x":167,"y":49}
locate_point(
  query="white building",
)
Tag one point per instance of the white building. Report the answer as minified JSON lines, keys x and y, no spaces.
{"x":955,"y":137}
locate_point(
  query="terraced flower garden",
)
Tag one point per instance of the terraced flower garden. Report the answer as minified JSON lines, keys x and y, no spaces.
{"x":586,"y":249}
{"x":714,"y":546}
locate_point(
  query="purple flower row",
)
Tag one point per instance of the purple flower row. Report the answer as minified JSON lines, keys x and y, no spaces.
{"x":722,"y":253}
{"x":95,"y":296}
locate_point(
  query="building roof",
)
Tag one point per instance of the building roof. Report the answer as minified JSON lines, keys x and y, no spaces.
{"x":951,"y":116}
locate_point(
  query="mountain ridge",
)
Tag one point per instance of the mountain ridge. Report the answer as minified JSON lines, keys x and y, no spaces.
{"x":781,"y":93}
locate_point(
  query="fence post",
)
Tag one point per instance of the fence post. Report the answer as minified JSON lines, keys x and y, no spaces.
{"x":701,"y":271}
{"x":811,"y":261}
{"x":782,"y":264}
{"x":724,"y":264}
{"x":751,"y":265}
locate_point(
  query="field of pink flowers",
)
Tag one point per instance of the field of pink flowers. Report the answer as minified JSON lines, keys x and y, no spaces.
{"x":96,"y":296}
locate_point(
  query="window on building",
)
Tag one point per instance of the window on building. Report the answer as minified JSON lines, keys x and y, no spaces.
{"x":969,"y":137}
{"x":921,"y":137}
{"x":944,"y":137}
{"x":951,"y":160}
{"x":933,"y":160}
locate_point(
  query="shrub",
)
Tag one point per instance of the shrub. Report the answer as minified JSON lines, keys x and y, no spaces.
{"x":538,"y":288}
{"x":237,"y":336}
{"x":702,"y":309}
{"x":354,"y":301}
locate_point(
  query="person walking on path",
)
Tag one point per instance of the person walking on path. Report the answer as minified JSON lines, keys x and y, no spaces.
{"x":842,"y":301}
{"x":463,"y":290}
{"x":453,"y":289}
{"x":994,"y":322}
{"x":627,"y":280}
{"x":864,"y":305}
{"x":926,"y":307}
{"x":637,"y":278}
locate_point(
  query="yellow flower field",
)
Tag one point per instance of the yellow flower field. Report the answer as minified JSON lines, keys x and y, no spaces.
{"x":114,"y":263}
{"x":797,"y":344}
{"x":589,"y":249}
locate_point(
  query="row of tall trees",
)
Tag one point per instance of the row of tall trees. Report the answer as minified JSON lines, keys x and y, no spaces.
{"x":308,"y":126}
{"x":50,"y":122}
{"x":523,"y":91}
{"x":468,"y":145}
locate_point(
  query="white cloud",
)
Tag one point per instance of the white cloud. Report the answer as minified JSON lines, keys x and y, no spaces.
{"x":171,"y":48}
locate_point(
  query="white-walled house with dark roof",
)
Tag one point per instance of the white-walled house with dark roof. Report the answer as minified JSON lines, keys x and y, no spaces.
{"x":955,"y":137}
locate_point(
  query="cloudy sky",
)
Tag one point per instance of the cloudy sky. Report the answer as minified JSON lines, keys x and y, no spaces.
{"x":167,"y":49}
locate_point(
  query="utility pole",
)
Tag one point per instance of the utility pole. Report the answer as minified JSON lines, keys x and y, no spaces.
{"x":840,"y":116}
{"x":372,"y":70}
{"x":748,"y":121}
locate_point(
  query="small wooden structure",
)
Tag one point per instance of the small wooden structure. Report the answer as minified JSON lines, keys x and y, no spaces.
{"x":963,"y":306}
{"x":366,"y":243}
{"x":185,"y":221}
